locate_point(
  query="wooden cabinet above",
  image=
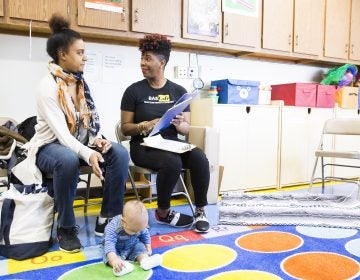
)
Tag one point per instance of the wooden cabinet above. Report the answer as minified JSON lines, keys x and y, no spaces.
{"x":303,"y":31}
{"x":39,"y":10}
{"x":1,"y":8}
{"x":354,"y":46}
{"x":103,"y":19}
{"x":156,"y":16}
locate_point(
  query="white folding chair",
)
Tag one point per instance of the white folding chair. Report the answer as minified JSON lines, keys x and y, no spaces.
{"x":340,"y":127}
{"x":133,"y":169}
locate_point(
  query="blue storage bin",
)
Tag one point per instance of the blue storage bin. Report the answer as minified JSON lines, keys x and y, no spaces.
{"x":237,"y":91}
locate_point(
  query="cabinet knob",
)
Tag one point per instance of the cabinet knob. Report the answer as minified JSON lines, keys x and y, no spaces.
{"x":123,"y":15}
{"x":136,"y":15}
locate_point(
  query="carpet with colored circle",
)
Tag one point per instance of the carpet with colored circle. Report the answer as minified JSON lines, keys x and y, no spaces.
{"x":225,"y":252}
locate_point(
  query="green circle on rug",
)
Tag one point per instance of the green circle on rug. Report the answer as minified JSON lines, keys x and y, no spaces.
{"x":98,"y":270}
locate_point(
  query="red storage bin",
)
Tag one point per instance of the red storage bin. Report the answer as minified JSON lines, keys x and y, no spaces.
{"x":325,"y":96}
{"x":295,"y":94}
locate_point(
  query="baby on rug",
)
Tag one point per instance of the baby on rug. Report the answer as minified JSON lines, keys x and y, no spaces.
{"x":127,"y":238}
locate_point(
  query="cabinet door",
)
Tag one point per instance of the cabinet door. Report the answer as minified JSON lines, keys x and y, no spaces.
{"x":156,"y":16}
{"x":309,"y":26}
{"x":316,"y":120}
{"x":232,"y":122}
{"x":337,"y":28}
{"x":202,"y":20}
{"x":242,"y":30}
{"x":262,"y":147}
{"x":1,"y":8}
{"x":354,"y":52}
{"x":40,"y":10}
{"x":277,"y":25}
{"x":294,"y":146}
{"x":103,"y":19}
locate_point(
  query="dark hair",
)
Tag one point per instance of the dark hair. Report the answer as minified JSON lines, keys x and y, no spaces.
{"x":156,"y":43}
{"x":61,"y":36}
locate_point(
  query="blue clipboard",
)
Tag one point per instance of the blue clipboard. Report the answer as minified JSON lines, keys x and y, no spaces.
{"x":177,"y":109}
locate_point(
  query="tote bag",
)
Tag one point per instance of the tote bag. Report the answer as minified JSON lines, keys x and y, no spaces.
{"x":26,"y":223}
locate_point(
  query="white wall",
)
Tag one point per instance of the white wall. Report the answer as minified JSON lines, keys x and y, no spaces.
{"x":23,"y":62}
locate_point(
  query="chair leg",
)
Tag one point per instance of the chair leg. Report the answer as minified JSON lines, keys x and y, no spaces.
{"x":186,"y":194}
{"x":313,"y":175}
{"x":133,"y":185}
{"x":322,"y":175}
{"x":87,"y":195}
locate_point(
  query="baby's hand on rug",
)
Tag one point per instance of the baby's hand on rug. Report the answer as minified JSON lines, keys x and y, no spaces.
{"x":116,"y":262}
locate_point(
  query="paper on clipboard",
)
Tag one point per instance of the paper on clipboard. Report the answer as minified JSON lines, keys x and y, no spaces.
{"x":177,"y":109}
{"x":158,"y":142}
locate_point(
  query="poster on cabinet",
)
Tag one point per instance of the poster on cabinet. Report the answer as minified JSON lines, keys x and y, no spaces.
{"x":203,"y":17}
{"x":116,"y":6}
{"x":241,"y":7}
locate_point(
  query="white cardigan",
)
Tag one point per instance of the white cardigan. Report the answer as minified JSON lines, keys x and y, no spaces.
{"x":51,"y":126}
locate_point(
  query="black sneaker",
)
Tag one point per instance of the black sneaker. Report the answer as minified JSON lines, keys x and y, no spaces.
{"x":175,"y":219}
{"x":68,"y":240}
{"x":202,"y":224}
{"x":100,"y":228}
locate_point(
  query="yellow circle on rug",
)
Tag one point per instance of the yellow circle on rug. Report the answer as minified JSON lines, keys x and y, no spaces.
{"x":244,"y":275}
{"x":269,"y":242}
{"x":321,"y":265}
{"x":199,"y":257}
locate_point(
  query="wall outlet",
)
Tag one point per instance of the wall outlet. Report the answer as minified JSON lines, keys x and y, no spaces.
{"x":193,"y":72}
{"x":181,"y":72}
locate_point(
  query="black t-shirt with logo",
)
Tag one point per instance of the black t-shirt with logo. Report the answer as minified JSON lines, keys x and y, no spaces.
{"x":149,"y":103}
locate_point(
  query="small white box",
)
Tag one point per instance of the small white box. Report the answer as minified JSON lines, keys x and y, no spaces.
{"x":264,"y":97}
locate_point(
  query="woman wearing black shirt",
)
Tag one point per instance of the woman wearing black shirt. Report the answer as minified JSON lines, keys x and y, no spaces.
{"x":142,"y":105}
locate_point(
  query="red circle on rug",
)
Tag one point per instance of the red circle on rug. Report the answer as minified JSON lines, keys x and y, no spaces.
{"x":321,"y":265}
{"x":269,"y":242}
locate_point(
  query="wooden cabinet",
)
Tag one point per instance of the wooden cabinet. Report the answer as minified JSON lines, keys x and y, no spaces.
{"x":277,"y":26}
{"x":103,"y":19}
{"x":38,"y":10}
{"x":309,"y":26}
{"x":354,"y":46}
{"x":156,"y":16}
{"x":248,"y":142}
{"x":337,"y":29}
{"x":243,"y":30}
{"x":300,"y":136}
{"x":1,"y":8}
{"x":293,"y":26}
{"x":202,"y":20}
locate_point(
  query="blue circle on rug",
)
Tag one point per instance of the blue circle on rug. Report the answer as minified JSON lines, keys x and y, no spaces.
{"x":353,"y":247}
{"x":326,"y":232}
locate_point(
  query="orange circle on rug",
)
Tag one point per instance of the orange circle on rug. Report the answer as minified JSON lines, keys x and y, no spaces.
{"x":269,"y":242}
{"x":244,"y":275}
{"x":320,"y":265}
{"x":199,"y":257}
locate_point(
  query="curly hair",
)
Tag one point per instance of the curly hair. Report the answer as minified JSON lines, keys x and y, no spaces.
{"x":61,"y":36}
{"x":156,"y":43}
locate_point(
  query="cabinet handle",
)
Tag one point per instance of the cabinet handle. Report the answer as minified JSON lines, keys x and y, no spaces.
{"x":346,"y":48}
{"x":136,"y":15}
{"x":217,"y":29}
{"x":123,"y":15}
{"x":289,"y":39}
{"x":352,"y":48}
{"x":226,"y":29}
{"x":296,"y":40}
